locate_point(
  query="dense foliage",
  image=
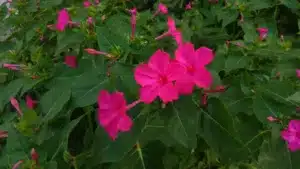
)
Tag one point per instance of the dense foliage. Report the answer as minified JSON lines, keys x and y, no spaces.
{"x":69,"y":65}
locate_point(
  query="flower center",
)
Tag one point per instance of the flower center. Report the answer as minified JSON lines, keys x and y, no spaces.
{"x":163,"y":80}
{"x":190,"y":69}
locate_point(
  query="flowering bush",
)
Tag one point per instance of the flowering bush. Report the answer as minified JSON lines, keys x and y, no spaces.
{"x":143,"y":84}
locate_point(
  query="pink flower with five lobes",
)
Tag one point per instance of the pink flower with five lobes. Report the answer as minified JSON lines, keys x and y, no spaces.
{"x":112,"y":113}
{"x":292,"y":135}
{"x":157,"y":78}
{"x":194,"y":62}
{"x":87,"y":3}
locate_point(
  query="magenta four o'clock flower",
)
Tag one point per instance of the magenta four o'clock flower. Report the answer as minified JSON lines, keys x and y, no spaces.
{"x":292,"y":135}
{"x":194,"y":62}
{"x":298,"y":73}
{"x":112,"y":113}
{"x":161,"y":8}
{"x":62,"y":20}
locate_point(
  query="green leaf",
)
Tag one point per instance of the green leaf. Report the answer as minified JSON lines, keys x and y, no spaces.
{"x":227,"y":16}
{"x":217,"y":128}
{"x":10,"y":90}
{"x":293,"y":4}
{"x":236,"y":62}
{"x":295,"y":97}
{"x":115,"y":32}
{"x":50,"y":3}
{"x":183,"y":124}
{"x":53,"y":102}
{"x":87,"y":94}
{"x":68,"y":38}
{"x":112,"y":151}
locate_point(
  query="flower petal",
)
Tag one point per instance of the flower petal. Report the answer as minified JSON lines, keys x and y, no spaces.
{"x":175,"y":71}
{"x":148,"y":94}
{"x":294,"y":126}
{"x":204,"y":56}
{"x":159,"y":61}
{"x":185,"y":54}
{"x":185,"y":86}
{"x":168,"y":93}
{"x":203,"y":78}
{"x":125,"y":123}
{"x":144,"y":75}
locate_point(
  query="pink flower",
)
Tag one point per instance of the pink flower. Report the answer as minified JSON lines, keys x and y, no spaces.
{"x":112,"y":114}
{"x":157,"y":76}
{"x":71,"y":61}
{"x":3,"y":134}
{"x":30,"y":102}
{"x":292,"y":135}
{"x":162,"y":8}
{"x":188,"y":6}
{"x":12,"y":66}
{"x":263,"y":33}
{"x":87,"y":4}
{"x":17,"y":165}
{"x":9,"y":1}
{"x":133,"y":13}
{"x":298,"y":73}
{"x":62,"y":20}
{"x":97,"y":2}
{"x":172,"y":31}
{"x":194,"y":62}
{"x":14,"y":102}
{"x":90,"y":21}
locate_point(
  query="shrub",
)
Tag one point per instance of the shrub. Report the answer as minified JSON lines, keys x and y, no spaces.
{"x":141,"y":84}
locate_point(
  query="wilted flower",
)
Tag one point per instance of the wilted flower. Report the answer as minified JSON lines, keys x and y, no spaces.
{"x":34,"y":156}
{"x":87,"y":3}
{"x":157,"y":77}
{"x":298,"y":73}
{"x":3,"y":134}
{"x":62,"y":20}
{"x":90,"y":21}
{"x":292,"y":135}
{"x":133,"y":13}
{"x":12,"y":66}
{"x":14,"y":102}
{"x":161,"y":8}
{"x":188,"y":6}
{"x":112,"y":113}
{"x":30,"y":102}
{"x":71,"y":61}
{"x":97,"y":2}
{"x":263,"y":33}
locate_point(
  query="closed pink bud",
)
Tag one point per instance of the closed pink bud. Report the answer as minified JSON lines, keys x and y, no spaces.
{"x":11,"y":66}
{"x":17,"y":165}
{"x":90,"y":21}
{"x":263,"y":33}
{"x":272,"y":119}
{"x":97,"y":2}
{"x":298,"y":73}
{"x":188,"y":6}
{"x":14,"y":102}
